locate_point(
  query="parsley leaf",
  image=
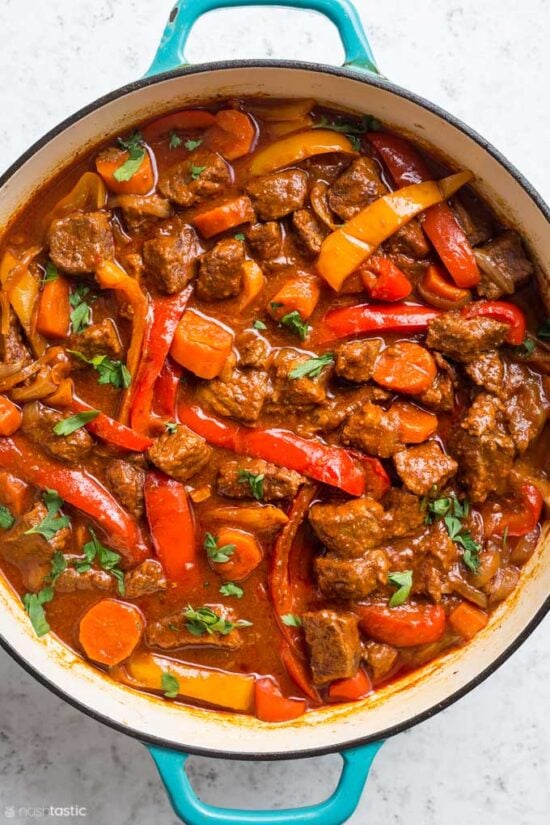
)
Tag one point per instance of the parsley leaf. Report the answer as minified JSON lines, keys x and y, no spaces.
{"x":470,"y":556}
{"x":291,"y":620}
{"x":170,"y":685}
{"x":33,"y":604}
{"x":196,"y":171}
{"x":453,"y":510}
{"x":175,"y":140}
{"x":109,"y":370}
{"x":136,"y":153}
{"x":59,"y":564}
{"x":192,"y":144}
{"x":219,"y":555}
{"x":403,"y":581}
{"x":525,"y":349}
{"x":75,"y":422}
{"x":107,"y":559}
{"x":52,"y":522}
{"x":368,"y":123}
{"x":6,"y":518}
{"x":239,"y":236}
{"x":81,"y":312}
{"x":231,"y":589}
{"x":312,"y":367}
{"x":204,"y":620}
{"x":259,"y":325}
{"x":295,"y":323}
{"x":543,"y":331}
{"x":255,"y":481}
{"x":171,"y":427}
{"x":51,"y":273}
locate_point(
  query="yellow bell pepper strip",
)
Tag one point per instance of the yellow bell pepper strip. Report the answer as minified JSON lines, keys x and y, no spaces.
{"x":344,"y":250}
{"x":295,"y":148}
{"x":253,"y":283}
{"x":89,"y":193}
{"x":232,"y":691}
{"x":22,"y":288}
{"x":286,"y":110}
{"x":111,"y":276}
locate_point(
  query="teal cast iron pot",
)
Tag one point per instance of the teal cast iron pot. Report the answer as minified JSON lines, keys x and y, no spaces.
{"x":356,"y":731}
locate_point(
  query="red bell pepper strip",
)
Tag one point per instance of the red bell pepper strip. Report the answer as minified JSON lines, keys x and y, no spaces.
{"x":112,"y":431}
{"x":79,"y":489}
{"x":440,"y":224}
{"x":377,"y":481}
{"x":521,"y":520}
{"x":339,"y":323}
{"x":166,"y":389}
{"x":184,"y":121}
{"x":322,"y":462}
{"x":349,"y":690}
{"x":298,"y":671}
{"x":384,"y":280}
{"x":403,"y":626}
{"x":502,"y":311}
{"x":172,"y":526}
{"x":272,"y":706}
{"x":165,"y":316}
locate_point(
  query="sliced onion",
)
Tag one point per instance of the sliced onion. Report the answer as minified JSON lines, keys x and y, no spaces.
{"x":41,"y":387}
{"x":7,"y":370}
{"x":524,"y":547}
{"x":63,"y":395}
{"x":289,"y":110}
{"x":150,"y":205}
{"x":438,"y":301}
{"x":467,"y":591}
{"x":319,"y":202}
{"x":494,"y":273}
{"x":489,"y":562}
{"x":8,"y":381}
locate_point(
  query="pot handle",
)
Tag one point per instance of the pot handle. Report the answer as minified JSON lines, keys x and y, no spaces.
{"x":171,"y":51}
{"x":333,"y":811}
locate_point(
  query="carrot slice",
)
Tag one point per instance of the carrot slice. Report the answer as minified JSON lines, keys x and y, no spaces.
{"x":15,"y":494}
{"x":225,"y":216}
{"x":233,"y":134}
{"x":201,"y":344}
{"x":10,"y":416}
{"x":245,"y":557}
{"x":54,"y":311}
{"x":468,"y":620}
{"x":405,"y":367}
{"x":299,"y":294}
{"x":439,"y":291}
{"x":110,"y":630}
{"x":349,"y":690}
{"x":253,"y":283}
{"x":403,"y":626}
{"x":140,"y":183}
{"x":415,"y":425}
{"x":272,"y":706}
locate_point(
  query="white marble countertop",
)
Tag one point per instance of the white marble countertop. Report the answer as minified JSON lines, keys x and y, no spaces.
{"x":485,"y":759}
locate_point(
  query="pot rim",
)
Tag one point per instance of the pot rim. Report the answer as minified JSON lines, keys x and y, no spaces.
{"x":384,"y":84}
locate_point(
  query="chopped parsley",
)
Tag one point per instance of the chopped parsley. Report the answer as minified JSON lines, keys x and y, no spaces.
{"x":171,"y":427}
{"x":81,"y":312}
{"x":351,"y":129}
{"x":291,"y":620}
{"x":204,"y":620}
{"x":543,"y":331}
{"x":259,"y":325}
{"x":170,"y":685}
{"x":196,"y":171}
{"x":295,"y":323}
{"x":51,"y":273}
{"x":453,"y":511}
{"x":59,"y":565}
{"x":107,"y":559}
{"x":109,"y":370}
{"x":6,"y":518}
{"x":231,"y":589}
{"x":52,"y":522}
{"x":74,"y":422}
{"x":175,"y":140}
{"x":313,"y":367}
{"x":34,"y":605}
{"x":218,"y":555}
{"x":190,"y":145}
{"x":136,"y":153}
{"x":239,"y":236}
{"x":403,"y":581}
{"x":255,"y":482}
{"x":525,"y":349}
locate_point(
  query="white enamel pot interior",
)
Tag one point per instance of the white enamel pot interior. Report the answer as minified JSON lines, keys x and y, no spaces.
{"x":436,"y":685}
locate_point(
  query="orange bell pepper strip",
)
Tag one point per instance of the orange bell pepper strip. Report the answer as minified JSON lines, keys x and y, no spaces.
{"x":502,"y":311}
{"x":438,"y":290}
{"x":253,"y":283}
{"x":300,"y":294}
{"x":440,"y":224}
{"x":345,"y":249}
{"x":468,"y":620}
{"x":403,"y":626}
{"x":233,"y":134}
{"x":110,"y":631}
{"x":220,"y":688}
{"x":246,"y":556}
{"x":187,"y":120}
{"x":88,"y":193}
{"x":141,"y":182}
{"x":272,"y":706}
{"x":111,"y":276}
{"x":15,"y":494}
{"x":201,"y":344}
{"x":164,"y":317}
{"x":54,"y":311}
{"x":172,"y":526}
{"x":224,"y":216}
{"x":111,"y":431}
{"x":352,"y":689}
{"x":297,"y":147}
{"x":79,"y":489}
{"x":384,"y":281}
{"x":405,"y":367}
{"x":10,"y":416}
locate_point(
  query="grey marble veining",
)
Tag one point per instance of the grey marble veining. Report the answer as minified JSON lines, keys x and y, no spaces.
{"x":485,"y":759}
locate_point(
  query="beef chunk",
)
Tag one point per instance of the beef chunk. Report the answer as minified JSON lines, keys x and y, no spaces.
{"x":503,"y":584}
{"x":201,"y":175}
{"x":148,"y":577}
{"x":334,"y":646}
{"x":38,"y":423}
{"x":336,"y":410}
{"x":353,"y":579}
{"x":373,"y":430}
{"x":463,"y":339}
{"x":309,"y":232}
{"x":423,"y":467}
{"x":278,"y":194}
{"x":441,"y":395}
{"x":404,"y":514}
{"x":355,"y":359}
{"x":350,"y":528}
{"x":127,"y":482}
{"x":265,"y":240}
{"x":504,"y":265}
{"x":474,"y":218}
{"x":277,"y":482}
{"x":71,"y":581}
{"x":252,"y":348}
{"x":408,"y":242}
{"x":526,"y":412}
{"x":81,"y":241}
{"x":380,"y":658}
{"x":172,"y":632}
{"x":487,"y":372}
{"x":12,"y":346}
{"x":98,"y":339}
{"x":138,"y":210}
{"x":181,"y":454}
{"x":296,"y":392}
{"x":240,"y":396}
{"x":358,"y":186}
{"x":483,"y":448}
{"x":31,"y":553}
{"x":170,"y":258}
{"x":220,"y":273}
